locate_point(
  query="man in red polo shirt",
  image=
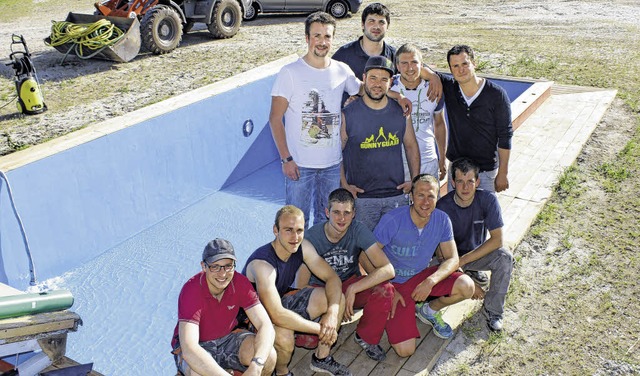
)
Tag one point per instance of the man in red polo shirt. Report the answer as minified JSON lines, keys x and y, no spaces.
{"x":205,"y":339}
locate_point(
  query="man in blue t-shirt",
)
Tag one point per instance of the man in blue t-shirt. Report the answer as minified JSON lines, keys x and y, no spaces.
{"x":410,"y":236}
{"x":341,"y":241}
{"x":474,"y":213}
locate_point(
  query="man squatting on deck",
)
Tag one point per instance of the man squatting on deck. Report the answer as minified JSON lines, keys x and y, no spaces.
{"x":205,"y":340}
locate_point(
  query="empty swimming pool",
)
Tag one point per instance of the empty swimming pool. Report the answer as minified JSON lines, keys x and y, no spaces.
{"x":121,"y":218}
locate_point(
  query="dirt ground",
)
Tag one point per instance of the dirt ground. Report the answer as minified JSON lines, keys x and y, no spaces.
{"x":81,"y":93}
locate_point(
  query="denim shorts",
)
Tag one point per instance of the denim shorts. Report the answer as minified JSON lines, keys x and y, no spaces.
{"x":225,"y":351}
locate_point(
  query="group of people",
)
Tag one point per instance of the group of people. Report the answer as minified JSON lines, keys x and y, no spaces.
{"x":365,"y":157}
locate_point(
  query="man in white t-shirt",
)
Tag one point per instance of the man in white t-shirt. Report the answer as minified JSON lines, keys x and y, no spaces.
{"x":427,"y":115}
{"x":308,"y":94}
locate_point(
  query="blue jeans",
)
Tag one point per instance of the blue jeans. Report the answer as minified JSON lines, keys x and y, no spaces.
{"x":369,"y":211}
{"x":314,"y":185}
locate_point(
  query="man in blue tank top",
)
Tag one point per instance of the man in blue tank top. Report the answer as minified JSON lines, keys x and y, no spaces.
{"x":374,"y":132}
{"x":315,"y":310}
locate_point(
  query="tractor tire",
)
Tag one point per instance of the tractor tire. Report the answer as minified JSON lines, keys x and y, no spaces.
{"x":253,"y":12}
{"x":226,"y":19}
{"x":161,"y":30}
{"x":338,"y":8}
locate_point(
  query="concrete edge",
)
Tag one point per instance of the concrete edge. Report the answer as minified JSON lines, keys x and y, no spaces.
{"x":95,"y":131}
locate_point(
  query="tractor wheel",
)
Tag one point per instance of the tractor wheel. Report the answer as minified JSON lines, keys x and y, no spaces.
{"x":253,"y":12}
{"x":338,"y":8}
{"x":226,"y":19}
{"x":161,"y":30}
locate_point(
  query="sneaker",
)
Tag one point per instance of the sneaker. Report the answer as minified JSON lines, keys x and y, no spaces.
{"x":440,"y":328}
{"x":479,"y":277}
{"x":494,"y":321}
{"x":328,"y":365}
{"x":307,"y":341}
{"x":374,"y":352}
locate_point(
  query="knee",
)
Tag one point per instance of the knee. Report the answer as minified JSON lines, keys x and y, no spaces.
{"x":284,"y":341}
{"x":506,"y":258}
{"x":464,"y":286}
{"x":405,"y":349}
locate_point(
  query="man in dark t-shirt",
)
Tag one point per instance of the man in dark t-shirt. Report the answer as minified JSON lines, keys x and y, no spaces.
{"x":475,"y":213}
{"x":341,"y":241}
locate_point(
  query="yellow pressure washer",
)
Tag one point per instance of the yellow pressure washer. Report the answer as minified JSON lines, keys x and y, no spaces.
{"x":30,"y":98}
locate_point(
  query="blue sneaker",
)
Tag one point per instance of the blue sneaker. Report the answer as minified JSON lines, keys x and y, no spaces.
{"x":440,"y":328}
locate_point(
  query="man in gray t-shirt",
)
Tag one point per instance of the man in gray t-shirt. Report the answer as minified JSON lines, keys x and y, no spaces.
{"x":341,"y":241}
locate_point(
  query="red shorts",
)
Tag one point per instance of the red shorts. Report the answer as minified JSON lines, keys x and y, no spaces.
{"x":403,"y":325}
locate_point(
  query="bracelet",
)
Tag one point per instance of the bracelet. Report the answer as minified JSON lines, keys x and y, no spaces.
{"x":287,"y":159}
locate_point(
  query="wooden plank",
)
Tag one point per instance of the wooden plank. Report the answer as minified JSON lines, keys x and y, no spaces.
{"x":31,"y":330}
{"x":65,"y":362}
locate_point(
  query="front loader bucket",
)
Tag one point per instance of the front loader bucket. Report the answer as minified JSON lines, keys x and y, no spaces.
{"x":122,"y":51}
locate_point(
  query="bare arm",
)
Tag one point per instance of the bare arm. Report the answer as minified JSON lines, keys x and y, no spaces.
{"x":448,"y":266}
{"x":265,"y":335}
{"x":434,"y":93}
{"x":333,"y":289}
{"x":440,"y":132}
{"x":490,"y":245}
{"x":343,"y":177}
{"x":502,"y":181}
{"x":198,"y":359}
{"x":279,"y":106}
{"x":412,"y":152}
{"x":264,"y":276}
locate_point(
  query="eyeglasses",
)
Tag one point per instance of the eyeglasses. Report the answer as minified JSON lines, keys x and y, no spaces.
{"x":215,"y":268}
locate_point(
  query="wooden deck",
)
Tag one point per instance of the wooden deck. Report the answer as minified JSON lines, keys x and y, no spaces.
{"x":545,"y":143}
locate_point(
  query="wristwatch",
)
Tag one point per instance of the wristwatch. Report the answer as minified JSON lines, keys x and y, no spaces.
{"x":287,"y":159}
{"x":259,"y":361}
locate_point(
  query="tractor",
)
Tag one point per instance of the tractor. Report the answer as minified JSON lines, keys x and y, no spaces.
{"x":162,"y":22}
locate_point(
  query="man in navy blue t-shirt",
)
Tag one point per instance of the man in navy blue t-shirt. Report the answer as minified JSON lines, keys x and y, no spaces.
{"x":474,"y":213}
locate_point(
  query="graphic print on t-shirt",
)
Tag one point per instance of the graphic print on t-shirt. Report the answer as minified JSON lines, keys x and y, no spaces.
{"x":320,"y":128}
{"x":340,"y":261}
{"x":380,"y":140}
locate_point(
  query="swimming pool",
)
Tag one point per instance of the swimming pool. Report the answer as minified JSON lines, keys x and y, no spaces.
{"x":121,"y":218}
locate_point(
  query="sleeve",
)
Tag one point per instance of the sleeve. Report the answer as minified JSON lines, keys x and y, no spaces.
{"x":440,"y":105}
{"x":352,"y":85}
{"x":248,"y":293}
{"x":447,"y":228}
{"x":493,"y":213}
{"x":189,"y":307}
{"x":364,"y":236}
{"x":503,"y":120}
{"x":385,"y":230}
{"x":283,"y":85}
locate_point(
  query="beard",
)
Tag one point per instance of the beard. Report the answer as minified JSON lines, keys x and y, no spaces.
{"x":371,"y":96}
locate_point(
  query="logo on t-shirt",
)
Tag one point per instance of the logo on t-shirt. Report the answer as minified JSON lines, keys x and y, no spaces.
{"x":320,"y":127}
{"x":230,"y":307}
{"x":381,"y":140}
